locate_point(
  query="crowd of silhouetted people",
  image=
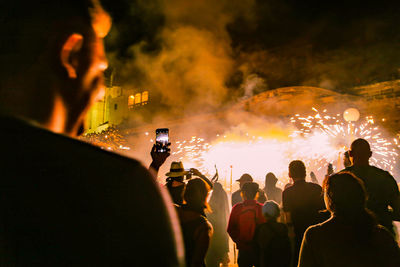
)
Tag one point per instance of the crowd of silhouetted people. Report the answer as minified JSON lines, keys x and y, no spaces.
{"x":64,"y":202}
{"x":346,"y":222}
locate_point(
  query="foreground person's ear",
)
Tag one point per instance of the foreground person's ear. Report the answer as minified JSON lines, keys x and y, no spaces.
{"x":68,"y":54}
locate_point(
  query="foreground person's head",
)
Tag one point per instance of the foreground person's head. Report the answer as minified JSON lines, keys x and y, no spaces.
{"x":196,"y":193}
{"x":344,"y":194}
{"x":297,"y":170}
{"x":53,"y":60}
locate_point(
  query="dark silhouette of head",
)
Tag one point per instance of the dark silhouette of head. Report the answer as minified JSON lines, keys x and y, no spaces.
{"x":344,"y":194}
{"x":270,"y":180}
{"x":249,"y":190}
{"x":196,"y":193}
{"x":360,"y":152}
{"x":245,"y":178}
{"x":53,"y":60}
{"x":297,"y":170}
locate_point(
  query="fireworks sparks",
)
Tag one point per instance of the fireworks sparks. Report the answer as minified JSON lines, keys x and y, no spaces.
{"x":317,"y":139}
{"x":110,"y":139}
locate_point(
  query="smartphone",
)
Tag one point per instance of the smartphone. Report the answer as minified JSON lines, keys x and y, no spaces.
{"x":162,"y":139}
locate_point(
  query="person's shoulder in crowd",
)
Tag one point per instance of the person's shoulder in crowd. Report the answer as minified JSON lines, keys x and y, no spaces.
{"x":374,"y":173}
{"x":104,"y":200}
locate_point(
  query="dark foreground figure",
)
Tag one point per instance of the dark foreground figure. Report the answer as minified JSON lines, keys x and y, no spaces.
{"x":351,"y":237}
{"x":381,"y":187}
{"x":64,"y":202}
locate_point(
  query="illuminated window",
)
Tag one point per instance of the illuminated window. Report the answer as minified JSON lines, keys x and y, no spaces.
{"x":138,"y":99}
{"x":145,"y":97}
{"x":131,"y":100}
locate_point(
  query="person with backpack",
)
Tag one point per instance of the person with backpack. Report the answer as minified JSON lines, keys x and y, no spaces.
{"x":271,"y":239}
{"x":244,"y":218}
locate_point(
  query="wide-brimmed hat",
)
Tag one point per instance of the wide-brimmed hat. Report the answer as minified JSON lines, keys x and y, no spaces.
{"x":176,"y":169}
{"x":245,"y":178}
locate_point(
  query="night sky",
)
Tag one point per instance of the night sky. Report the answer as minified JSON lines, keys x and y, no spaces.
{"x":330,"y":44}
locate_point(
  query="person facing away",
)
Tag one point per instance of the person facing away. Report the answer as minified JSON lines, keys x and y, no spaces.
{"x":237,"y":197}
{"x":381,"y":187}
{"x":273,"y":192}
{"x":271,"y":239}
{"x":175,"y":182}
{"x":301,"y":203}
{"x":218,"y":217}
{"x":197,"y":230}
{"x":244,"y":218}
{"x":63,"y":201}
{"x":351,"y":237}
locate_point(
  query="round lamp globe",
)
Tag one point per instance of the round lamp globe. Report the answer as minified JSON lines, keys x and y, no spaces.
{"x":351,"y":114}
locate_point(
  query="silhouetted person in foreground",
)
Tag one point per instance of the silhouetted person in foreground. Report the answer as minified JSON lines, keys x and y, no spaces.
{"x":237,"y":197}
{"x":351,"y":237}
{"x":301,"y":203}
{"x":273,"y":192}
{"x":271,"y":239}
{"x":196,"y":229}
{"x":381,"y":187}
{"x":65,"y":202}
{"x":219,"y":247}
{"x":244,"y":218}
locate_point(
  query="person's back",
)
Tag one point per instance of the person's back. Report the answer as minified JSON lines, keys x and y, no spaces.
{"x":382,"y":189}
{"x":351,"y":237}
{"x":304,"y":201}
{"x":333,"y":243}
{"x":301,"y":203}
{"x":243,"y":222}
{"x":196,"y":229}
{"x":64,"y":202}
{"x":271,"y":239}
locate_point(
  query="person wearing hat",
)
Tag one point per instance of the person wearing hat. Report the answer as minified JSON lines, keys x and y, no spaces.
{"x":175,"y":180}
{"x":244,"y":218}
{"x":271,"y":238}
{"x":175,"y":183}
{"x":236,"y":196}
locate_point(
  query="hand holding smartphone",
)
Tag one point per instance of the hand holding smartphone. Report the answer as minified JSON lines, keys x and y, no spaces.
{"x":162,"y":140}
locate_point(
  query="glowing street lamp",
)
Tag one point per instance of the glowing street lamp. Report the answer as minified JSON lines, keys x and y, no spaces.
{"x":351,"y":114}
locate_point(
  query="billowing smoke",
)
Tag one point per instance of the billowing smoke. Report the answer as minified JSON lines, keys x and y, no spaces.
{"x":193,"y":61}
{"x":200,"y":56}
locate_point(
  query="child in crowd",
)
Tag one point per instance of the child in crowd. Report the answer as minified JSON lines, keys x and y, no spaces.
{"x":271,"y":239}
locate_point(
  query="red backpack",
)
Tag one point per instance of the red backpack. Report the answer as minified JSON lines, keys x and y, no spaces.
{"x":248,"y":222}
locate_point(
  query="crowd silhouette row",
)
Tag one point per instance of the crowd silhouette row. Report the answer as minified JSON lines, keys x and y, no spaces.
{"x":346,"y":222}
